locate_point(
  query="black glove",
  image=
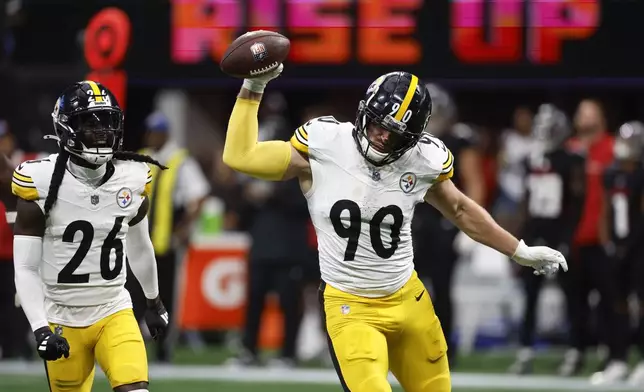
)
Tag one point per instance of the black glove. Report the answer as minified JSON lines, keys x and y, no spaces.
{"x":51,"y":346}
{"x":157,"y":318}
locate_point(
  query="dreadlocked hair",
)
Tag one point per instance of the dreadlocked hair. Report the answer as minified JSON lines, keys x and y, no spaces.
{"x":56,"y":180}
{"x":132,"y":156}
{"x":61,"y":163}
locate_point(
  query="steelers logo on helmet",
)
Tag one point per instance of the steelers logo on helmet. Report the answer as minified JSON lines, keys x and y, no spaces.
{"x":391,"y":117}
{"x":89,"y":122}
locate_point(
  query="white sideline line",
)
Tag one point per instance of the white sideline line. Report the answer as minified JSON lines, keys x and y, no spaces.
{"x":327,"y":376}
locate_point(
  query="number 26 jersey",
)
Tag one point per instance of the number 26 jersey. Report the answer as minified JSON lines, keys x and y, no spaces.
{"x":84,"y":246}
{"x":362,"y":214}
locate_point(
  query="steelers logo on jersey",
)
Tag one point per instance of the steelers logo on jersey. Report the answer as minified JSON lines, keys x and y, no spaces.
{"x":124,"y":197}
{"x":407,"y":182}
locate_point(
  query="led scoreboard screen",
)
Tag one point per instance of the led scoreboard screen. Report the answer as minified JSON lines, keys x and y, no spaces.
{"x":438,"y":38}
{"x":353,"y":39}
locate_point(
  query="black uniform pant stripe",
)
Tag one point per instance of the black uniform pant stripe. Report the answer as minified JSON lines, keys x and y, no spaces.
{"x":334,"y":358}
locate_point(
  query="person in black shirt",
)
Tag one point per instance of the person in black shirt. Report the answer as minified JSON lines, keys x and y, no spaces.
{"x":434,"y":236}
{"x":555,"y":182}
{"x":621,"y":230}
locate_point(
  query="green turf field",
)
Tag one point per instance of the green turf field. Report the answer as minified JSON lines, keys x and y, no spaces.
{"x":202,"y":370}
{"x":32,"y":384}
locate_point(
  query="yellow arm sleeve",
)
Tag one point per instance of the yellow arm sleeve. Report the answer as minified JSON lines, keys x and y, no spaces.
{"x":264,"y":160}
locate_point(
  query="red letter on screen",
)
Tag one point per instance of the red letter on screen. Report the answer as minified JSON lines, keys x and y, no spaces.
{"x":202,"y":26}
{"x":555,"y":21}
{"x":468,"y":31}
{"x":322,"y":31}
{"x":384,"y":34}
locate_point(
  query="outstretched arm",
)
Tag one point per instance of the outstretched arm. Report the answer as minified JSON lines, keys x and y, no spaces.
{"x":272,"y":160}
{"x":479,"y":225}
{"x":470,"y":217}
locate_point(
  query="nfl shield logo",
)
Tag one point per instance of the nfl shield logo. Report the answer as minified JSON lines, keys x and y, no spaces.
{"x":58,"y":330}
{"x":259,"y":51}
{"x":94,"y":199}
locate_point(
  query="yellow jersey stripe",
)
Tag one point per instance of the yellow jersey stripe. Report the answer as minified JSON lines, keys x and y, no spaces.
{"x":28,"y":193}
{"x":408,"y":96}
{"x":22,"y":177}
{"x":98,"y":96}
{"x":445,"y":176}
{"x":302,"y":135}
{"x":299,"y":146}
{"x":300,"y":138}
{"x":448,"y":162}
{"x":147,"y":191}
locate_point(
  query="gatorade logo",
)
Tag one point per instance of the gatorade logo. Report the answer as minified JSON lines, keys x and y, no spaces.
{"x":223,"y":283}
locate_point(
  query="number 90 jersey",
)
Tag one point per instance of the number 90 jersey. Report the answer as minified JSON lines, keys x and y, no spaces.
{"x":362,"y":214}
{"x":84,"y":259}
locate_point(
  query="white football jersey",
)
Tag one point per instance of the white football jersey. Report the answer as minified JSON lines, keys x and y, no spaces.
{"x":84,"y":258}
{"x":362,"y":214}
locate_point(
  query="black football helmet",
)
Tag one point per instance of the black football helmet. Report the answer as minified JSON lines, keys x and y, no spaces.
{"x":551,"y":127}
{"x":444,"y":111}
{"x":397,"y":102}
{"x":88,"y":122}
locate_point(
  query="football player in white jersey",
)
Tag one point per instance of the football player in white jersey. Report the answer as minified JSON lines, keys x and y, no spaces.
{"x":81,"y":213}
{"x":362,"y":182}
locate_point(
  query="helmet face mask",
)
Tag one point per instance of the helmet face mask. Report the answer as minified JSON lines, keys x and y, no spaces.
{"x":88,"y":127}
{"x":396,"y":109}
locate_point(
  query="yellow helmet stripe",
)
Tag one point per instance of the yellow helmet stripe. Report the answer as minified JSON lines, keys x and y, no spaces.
{"x":98,"y":96}
{"x":407,"y":100}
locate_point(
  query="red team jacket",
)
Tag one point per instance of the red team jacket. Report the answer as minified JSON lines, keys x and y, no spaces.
{"x":598,"y":157}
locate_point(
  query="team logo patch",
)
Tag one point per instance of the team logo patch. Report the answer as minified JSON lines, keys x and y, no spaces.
{"x":407,"y":182}
{"x":259,"y":51}
{"x":124,"y":197}
{"x":94,"y":199}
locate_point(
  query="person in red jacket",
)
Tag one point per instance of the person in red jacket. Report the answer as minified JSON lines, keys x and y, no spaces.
{"x":13,"y":341}
{"x":590,"y":268}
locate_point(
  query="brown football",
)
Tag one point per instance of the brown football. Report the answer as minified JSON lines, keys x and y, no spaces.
{"x":255,"y":53}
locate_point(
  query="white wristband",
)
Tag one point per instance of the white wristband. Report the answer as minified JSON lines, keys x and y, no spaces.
{"x":254,"y":85}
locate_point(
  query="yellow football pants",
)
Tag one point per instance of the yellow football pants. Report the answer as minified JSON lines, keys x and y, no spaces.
{"x":369,"y":336}
{"x":115,"y":343}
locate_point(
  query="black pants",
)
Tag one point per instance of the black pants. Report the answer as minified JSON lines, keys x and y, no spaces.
{"x":532,"y":286}
{"x":15,"y":329}
{"x":435,"y":258}
{"x":166,"y":270}
{"x":590,"y":268}
{"x":630,"y":279}
{"x":285,"y":278}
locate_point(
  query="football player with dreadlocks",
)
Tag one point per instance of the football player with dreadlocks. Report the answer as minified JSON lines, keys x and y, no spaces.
{"x":362,"y":182}
{"x":81,"y":213}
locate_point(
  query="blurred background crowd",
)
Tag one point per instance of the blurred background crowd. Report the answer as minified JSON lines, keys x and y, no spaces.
{"x":551,"y":146}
